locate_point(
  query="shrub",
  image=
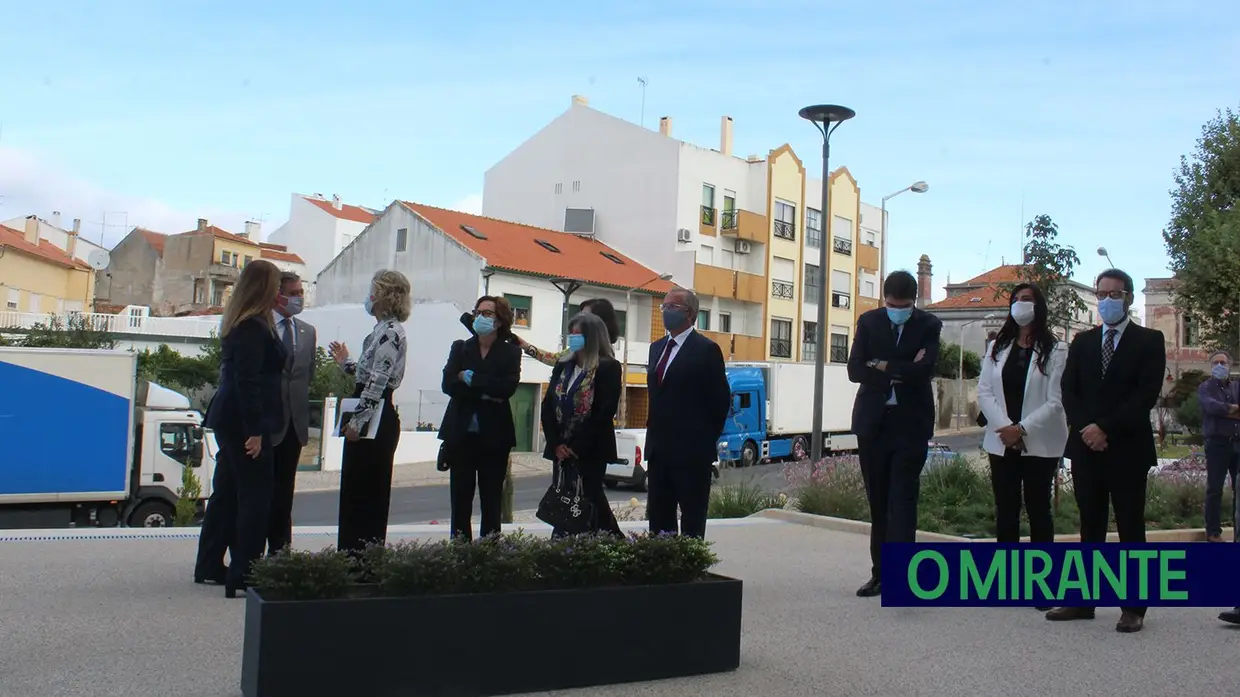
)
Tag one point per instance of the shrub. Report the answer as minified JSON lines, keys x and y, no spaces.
{"x":741,"y":500}
{"x":298,"y":575}
{"x":833,"y":487}
{"x":186,"y":510}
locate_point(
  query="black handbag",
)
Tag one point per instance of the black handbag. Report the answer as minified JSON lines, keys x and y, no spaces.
{"x":564,"y":506}
{"x":442,"y":463}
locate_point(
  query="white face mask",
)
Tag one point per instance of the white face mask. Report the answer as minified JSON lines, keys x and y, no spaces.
{"x":1022,"y":312}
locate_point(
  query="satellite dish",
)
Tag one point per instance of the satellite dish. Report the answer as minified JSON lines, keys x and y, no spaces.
{"x":98,"y":260}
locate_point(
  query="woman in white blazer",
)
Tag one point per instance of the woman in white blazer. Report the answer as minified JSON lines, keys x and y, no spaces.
{"x":1026,"y":429}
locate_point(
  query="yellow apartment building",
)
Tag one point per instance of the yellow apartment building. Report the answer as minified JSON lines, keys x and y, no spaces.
{"x":36,"y":276}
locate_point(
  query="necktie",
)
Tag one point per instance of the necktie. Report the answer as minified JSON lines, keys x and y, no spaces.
{"x":288,"y":339}
{"x":1108,"y":349}
{"x":895,"y":333}
{"x":667,"y":354}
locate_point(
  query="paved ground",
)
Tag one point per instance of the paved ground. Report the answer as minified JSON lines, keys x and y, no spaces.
{"x":107,"y":616}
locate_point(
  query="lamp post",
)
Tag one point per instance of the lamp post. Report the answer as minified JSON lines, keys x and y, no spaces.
{"x":960,"y":368}
{"x":917,"y":187}
{"x":628,"y":312}
{"x":827,"y":118}
{"x":567,"y":286}
{"x":1102,"y":252}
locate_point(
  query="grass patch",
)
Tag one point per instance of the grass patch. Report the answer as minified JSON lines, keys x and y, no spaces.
{"x":741,"y":500}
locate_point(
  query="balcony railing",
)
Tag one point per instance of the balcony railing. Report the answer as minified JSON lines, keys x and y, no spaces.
{"x":123,"y":323}
{"x":842,"y":246}
{"x":781,"y":289}
{"x":781,"y":348}
{"x":839,"y":354}
{"x":708,"y":216}
{"x":728,"y":221}
{"x":785,"y":229}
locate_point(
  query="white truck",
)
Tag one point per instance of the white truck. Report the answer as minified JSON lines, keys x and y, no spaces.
{"x":86,"y":444}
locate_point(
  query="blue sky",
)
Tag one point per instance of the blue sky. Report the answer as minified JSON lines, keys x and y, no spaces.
{"x":170,"y":111}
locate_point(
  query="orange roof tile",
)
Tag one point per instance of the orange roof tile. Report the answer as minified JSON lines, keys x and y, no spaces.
{"x":515,"y":247}
{"x":355,"y":213}
{"x":45,"y":250}
{"x":280,"y":255}
{"x":986,"y":298}
{"x":155,"y":239}
{"x":221,"y":234}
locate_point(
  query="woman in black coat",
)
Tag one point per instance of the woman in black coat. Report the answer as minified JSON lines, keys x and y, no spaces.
{"x":579,"y":411}
{"x":481,"y":375}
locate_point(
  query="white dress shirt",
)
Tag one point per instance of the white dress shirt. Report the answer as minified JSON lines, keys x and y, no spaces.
{"x":680,"y":341}
{"x":280,"y":320}
{"x":1119,"y":331}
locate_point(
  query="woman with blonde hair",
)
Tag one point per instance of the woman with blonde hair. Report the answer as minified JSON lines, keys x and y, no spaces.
{"x":244,"y":413}
{"x":366,"y":471}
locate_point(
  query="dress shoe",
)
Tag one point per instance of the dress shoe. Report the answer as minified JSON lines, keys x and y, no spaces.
{"x":1066,"y":614}
{"x":1042,"y":609}
{"x":1129,"y":622}
{"x":1214,"y":538}
{"x":215,"y":578}
{"x":1230,"y":616}
{"x":232,"y":591}
{"x":871,"y":588}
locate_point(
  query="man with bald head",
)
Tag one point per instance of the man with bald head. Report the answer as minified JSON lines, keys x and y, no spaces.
{"x":689,"y":401}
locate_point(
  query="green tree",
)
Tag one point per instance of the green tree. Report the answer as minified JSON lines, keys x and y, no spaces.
{"x":76,"y":332}
{"x":1049,"y":266}
{"x":1185,"y":387}
{"x":1189,"y":413}
{"x":169,"y":368}
{"x":328,"y":378}
{"x":949,"y":362}
{"x":1203,"y":236}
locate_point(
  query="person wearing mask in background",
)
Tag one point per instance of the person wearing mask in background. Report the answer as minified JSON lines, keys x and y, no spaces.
{"x":689,"y":402}
{"x":366,"y":467}
{"x":601,"y":307}
{"x":1219,"y":396}
{"x":577,"y":413}
{"x":480,"y":376}
{"x":1019,"y":393}
{"x":1111,"y":383}
{"x":244,"y":414}
{"x":299,"y":339}
{"x":892,"y":359}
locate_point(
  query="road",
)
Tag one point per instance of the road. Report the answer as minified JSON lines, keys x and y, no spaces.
{"x":424,"y":504}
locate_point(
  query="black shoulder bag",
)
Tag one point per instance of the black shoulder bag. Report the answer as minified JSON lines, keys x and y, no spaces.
{"x":564,"y":506}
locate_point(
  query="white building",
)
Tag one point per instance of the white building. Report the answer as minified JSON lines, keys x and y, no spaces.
{"x":71,"y":240}
{"x":318,"y":228}
{"x":457,"y":257}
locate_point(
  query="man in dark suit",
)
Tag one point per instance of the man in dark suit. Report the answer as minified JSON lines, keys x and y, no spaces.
{"x":299,"y":339}
{"x":893,"y":358}
{"x":690,"y":399}
{"x":1111,"y":383}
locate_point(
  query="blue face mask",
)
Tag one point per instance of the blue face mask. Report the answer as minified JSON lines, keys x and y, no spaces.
{"x":483,"y":325}
{"x":576,"y":342}
{"x":1220,"y":372}
{"x":370,"y":306}
{"x":899,"y":315}
{"x":1111,"y":310}
{"x":675,"y":319}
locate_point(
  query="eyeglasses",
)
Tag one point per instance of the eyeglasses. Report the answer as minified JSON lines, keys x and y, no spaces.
{"x":484,"y":313}
{"x":1113,"y":294}
{"x":673,"y":306}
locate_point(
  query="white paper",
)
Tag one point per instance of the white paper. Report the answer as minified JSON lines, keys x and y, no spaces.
{"x":345,"y":409}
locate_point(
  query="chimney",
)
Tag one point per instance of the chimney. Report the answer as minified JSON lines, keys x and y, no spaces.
{"x":71,"y":244}
{"x":725,"y":136}
{"x":336,"y":202}
{"x":55,"y":221}
{"x":77,"y":225}
{"x":923,"y":281}
{"x":202,"y":225}
{"x":665,"y":126}
{"x":32,"y":229}
{"x":579,"y":100}
{"x":251,"y":230}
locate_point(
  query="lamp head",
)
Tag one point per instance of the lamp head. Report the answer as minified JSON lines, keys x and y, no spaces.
{"x":919,"y":187}
{"x":1102,"y":252}
{"x":827,"y":114}
{"x":665,"y":277}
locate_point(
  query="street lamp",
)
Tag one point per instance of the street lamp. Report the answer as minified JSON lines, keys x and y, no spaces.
{"x":628,"y":313}
{"x":1102,"y":252}
{"x":567,"y":286}
{"x":960,"y":368}
{"x":917,"y":187}
{"x":827,"y":118}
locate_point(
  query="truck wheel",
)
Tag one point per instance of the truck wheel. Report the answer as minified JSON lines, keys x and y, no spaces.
{"x":749,"y":454}
{"x":152,"y":514}
{"x":800,"y":448}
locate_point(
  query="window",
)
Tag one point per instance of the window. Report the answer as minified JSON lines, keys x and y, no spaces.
{"x":783,"y":271}
{"x":870,"y":238}
{"x":473,"y":232}
{"x":174,"y":441}
{"x":725,"y":322}
{"x":729,"y":210}
{"x":785,"y":220}
{"x":1191,"y":332}
{"x":782,"y":290}
{"x":622,"y":321}
{"x":809,"y":341}
{"x":612,"y":258}
{"x":869,"y":290}
{"x":813,"y":282}
{"x":548,"y":246}
{"x":703,"y":320}
{"x":839,"y":344}
{"x":200,"y":292}
{"x":742,"y":400}
{"x":842,"y":246}
{"x":841,"y":282}
{"x":842,"y":228}
{"x":218,"y":291}
{"x":521,"y":305}
{"x":781,"y":338}
{"x":402,"y":239}
{"x":247,"y":261}
{"x":708,"y":255}
{"x":34,"y":302}
{"x":15,"y":296}
{"x":813,"y":227}
{"x":226,"y":258}
{"x":708,"y":205}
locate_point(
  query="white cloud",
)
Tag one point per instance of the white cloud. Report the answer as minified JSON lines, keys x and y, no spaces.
{"x":470,"y":204}
{"x":31,"y":185}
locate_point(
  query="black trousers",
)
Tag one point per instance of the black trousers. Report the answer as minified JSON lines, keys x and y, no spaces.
{"x":287,"y":455}
{"x":683,"y":485}
{"x":1221,"y":462}
{"x":595,"y":492}
{"x":1097,"y":480}
{"x":477,"y":466}
{"x":1012,"y":476}
{"x":891,"y":465}
{"x":238,"y":510}
{"x":366,"y":484}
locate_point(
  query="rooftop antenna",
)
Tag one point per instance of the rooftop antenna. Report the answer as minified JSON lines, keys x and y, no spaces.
{"x":643,"y":82}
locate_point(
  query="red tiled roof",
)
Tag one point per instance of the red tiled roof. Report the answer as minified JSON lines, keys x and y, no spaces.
{"x":45,"y":250}
{"x":280,"y":255}
{"x":213,"y":310}
{"x":221,"y":234}
{"x":155,"y":239}
{"x":516,"y":247}
{"x":355,"y":213}
{"x":986,"y":298}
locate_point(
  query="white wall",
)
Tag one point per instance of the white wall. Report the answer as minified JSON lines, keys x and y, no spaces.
{"x":413,"y":446}
{"x":314,"y":234}
{"x":872,"y":220}
{"x":57,"y":236}
{"x":698,"y":166}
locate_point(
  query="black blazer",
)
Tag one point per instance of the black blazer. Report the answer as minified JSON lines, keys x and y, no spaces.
{"x":689,"y":408}
{"x":494,"y":382}
{"x":594,"y":441}
{"x":875,"y":340}
{"x":249,"y":401}
{"x":1119,"y":403}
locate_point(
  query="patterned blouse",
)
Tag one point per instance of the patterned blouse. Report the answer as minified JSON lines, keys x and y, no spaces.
{"x":381,"y":368}
{"x":544,"y":357}
{"x":578,"y":403}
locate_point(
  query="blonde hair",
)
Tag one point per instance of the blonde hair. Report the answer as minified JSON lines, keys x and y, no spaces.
{"x":393,"y":296}
{"x":253,"y":296}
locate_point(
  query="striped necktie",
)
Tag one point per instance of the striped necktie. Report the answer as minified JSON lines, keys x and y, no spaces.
{"x":1108,"y":349}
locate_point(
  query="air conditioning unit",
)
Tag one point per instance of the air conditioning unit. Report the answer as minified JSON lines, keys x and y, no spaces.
{"x":839,"y":300}
{"x":684,"y":235}
{"x":742,"y":247}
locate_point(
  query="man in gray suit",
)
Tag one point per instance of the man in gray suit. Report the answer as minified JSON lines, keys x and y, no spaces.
{"x":299,"y":339}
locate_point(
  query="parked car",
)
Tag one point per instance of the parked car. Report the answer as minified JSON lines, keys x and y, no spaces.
{"x":628,"y":468}
{"x":938,"y":455}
